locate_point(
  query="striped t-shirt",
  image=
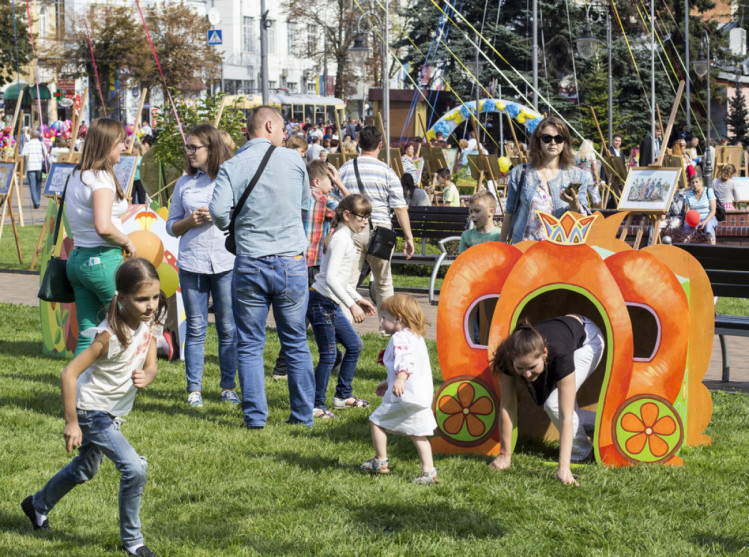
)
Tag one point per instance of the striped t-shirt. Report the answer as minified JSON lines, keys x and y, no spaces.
{"x":701,"y":205}
{"x":381,"y":186}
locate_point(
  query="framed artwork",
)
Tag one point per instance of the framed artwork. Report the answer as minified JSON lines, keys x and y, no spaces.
{"x":125,"y":172}
{"x":649,"y":190}
{"x":56,"y":178}
{"x":451,"y":156}
{"x":419,"y":164}
{"x":6,"y":176}
{"x":7,"y":169}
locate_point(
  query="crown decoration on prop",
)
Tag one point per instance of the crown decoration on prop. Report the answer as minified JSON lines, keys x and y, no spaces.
{"x":568,"y":229}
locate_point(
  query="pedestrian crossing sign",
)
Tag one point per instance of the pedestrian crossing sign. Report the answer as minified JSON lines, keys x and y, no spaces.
{"x":214,"y":37}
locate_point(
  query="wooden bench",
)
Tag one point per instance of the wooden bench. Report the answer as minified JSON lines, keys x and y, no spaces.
{"x":444,"y":224}
{"x":727,"y":267}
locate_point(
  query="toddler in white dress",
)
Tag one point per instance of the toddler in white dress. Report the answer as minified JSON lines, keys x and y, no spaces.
{"x":406,"y":407}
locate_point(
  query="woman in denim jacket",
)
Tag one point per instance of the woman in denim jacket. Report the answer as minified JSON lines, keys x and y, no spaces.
{"x":541,"y":184}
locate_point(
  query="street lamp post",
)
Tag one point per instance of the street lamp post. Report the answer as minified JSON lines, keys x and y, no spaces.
{"x":359,"y":53}
{"x":587,"y":45}
{"x":702,"y":68}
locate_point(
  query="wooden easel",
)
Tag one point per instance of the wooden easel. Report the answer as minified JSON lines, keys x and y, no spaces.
{"x":616,"y":174}
{"x":485,"y":167}
{"x":655,"y":218}
{"x":521,"y":154}
{"x":8,"y":199}
{"x":14,"y":156}
{"x":395,"y":155}
{"x":73,"y":156}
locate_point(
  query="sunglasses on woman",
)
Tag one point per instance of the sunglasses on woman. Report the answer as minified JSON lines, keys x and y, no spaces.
{"x":547,"y":138}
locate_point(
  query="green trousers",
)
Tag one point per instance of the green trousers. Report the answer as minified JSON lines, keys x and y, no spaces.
{"x":91,"y":272}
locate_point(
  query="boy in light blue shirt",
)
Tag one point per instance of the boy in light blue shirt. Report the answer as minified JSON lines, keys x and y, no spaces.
{"x":481,"y":208}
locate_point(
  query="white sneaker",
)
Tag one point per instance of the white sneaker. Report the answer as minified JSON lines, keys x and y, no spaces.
{"x":195,"y":400}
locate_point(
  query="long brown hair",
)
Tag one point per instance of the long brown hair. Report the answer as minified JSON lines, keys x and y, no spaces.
{"x":524,"y":341}
{"x":218,"y":152}
{"x":132,"y":275}
{"x":566,"y":158}
{"x":353,"y":203}
{"x":101,"y":138}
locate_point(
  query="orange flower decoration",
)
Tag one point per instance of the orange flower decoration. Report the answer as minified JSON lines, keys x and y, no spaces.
{"x":649,"y":429}
{"x":464,"y":410}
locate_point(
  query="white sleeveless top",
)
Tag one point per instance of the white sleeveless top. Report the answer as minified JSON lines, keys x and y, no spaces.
{"x":108,"y":384}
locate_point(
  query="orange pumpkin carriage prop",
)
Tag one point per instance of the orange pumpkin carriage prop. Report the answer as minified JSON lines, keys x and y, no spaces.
{"x":654,"y":307}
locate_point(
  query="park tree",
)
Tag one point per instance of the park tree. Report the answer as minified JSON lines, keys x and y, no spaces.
{"x":327,"y":28}
{"x":445,"y":41}
{"x":737,"y":119}
{"x":179,"y":37}
{"x":16,"y":51}
{"x":123,"y":55}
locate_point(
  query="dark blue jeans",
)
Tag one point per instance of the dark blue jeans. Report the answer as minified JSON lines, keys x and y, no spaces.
{"x":257,"y":284}
{"x":330,"y":325}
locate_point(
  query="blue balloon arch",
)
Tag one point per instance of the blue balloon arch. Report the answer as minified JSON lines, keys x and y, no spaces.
{"x":520,"y":113}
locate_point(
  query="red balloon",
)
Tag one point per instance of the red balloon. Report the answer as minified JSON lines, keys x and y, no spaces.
{"x":693,"y":218}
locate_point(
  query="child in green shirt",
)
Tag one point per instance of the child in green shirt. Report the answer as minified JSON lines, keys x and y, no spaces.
{"x":481,"y":208}
{"x":450,"y":195}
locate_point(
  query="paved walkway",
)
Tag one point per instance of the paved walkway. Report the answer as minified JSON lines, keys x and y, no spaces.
{"x":20,"y":288}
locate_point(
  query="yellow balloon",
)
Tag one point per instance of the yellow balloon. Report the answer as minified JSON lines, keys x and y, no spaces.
{"x":504,"y":164}
{"x":169,"y":278}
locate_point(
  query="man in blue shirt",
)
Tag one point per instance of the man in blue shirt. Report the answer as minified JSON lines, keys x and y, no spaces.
{"x":270,"y":266}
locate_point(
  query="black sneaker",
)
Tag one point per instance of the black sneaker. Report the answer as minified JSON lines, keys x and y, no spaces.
{"x":279,"y":370}
{"x":28,"y":507}
{"x":143,"y":551}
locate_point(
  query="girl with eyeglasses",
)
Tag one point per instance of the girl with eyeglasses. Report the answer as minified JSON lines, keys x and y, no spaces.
{"x":546,"y":184}
{"x":329,"y":293}
{"x":205,"y":266}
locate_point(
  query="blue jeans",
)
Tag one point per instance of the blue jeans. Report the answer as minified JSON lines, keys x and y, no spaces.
{"x":330,"y":325}
{"x":35,"y":185}
{"x":282,"y":283}
{"x":101,"y":437}
{"x":195,"y":289}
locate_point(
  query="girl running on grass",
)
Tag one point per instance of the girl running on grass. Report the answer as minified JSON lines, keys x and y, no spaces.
{"x":407,"y":393}
{"x":98,"y":388}
{"x":329,"y":292}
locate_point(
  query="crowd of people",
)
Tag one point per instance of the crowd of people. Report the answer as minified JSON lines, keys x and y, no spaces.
{"x":303,"y":232}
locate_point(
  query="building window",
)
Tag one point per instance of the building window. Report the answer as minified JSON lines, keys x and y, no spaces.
{"x":43,"y":21}
{"x":311,"y":88}
{"x":311,"y":40}
{"x":292,"y":87}
{"x":272,"y":85}
{"x":291,"y":30}
{"x":248,"y":34}
{"x":272,"y":37}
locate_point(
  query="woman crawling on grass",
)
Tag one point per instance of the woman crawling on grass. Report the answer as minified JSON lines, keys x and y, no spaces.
{"x":553,"y":358}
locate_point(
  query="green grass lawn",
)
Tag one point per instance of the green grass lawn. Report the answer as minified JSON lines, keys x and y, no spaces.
{"x":28,"y":236}
{"x":217,"y":489}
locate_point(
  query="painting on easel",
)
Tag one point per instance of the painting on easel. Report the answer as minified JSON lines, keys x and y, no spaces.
{"x":6,"y":176}
{"x":57,"y":177}
{"x":649,"y":189}
{"x":125,"y":171}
